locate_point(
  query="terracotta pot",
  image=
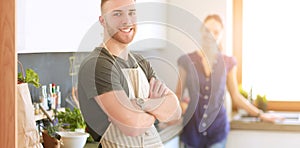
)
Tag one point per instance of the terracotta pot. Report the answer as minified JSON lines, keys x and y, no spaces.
{"x":50,"y":142}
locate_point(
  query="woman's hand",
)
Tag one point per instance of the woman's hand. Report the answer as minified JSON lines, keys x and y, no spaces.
{"x":268,"y":117}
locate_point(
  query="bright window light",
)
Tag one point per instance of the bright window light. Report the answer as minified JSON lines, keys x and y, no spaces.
{"x":271,"y":45}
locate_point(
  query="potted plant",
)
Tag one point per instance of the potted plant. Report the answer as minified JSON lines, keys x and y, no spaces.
{"x":261,"y":102}
{"x":73,"y":123}
{"x":71,"y":120}
{"x":50,"y":136}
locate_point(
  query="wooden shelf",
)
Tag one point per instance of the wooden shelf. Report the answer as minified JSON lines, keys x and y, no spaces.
{"x":43,"y":116}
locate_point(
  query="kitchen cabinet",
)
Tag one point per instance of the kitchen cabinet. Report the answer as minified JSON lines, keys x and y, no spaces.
{"x":170,"y":134}
{"x":53,"y":25}
{"x":262,"y":139}
{"x":71,"y":26}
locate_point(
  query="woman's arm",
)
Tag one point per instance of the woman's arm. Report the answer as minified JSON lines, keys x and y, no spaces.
{"x":241,"y":102}
{"x":237,"y":98}
{"x":181,"y":85}
{"x":180,"y":82}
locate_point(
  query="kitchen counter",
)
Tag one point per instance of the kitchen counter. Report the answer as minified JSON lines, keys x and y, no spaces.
{"x":291,"y":123}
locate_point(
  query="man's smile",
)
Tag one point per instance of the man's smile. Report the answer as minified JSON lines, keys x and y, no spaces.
{"x":126,"y":30}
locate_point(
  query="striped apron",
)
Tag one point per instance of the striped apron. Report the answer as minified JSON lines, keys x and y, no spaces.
{"x":113,"y":138}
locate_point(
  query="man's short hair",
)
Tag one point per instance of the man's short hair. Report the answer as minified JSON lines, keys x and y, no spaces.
{"x":102,"y":2}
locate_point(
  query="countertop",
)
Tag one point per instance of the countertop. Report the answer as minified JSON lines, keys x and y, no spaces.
{"x":291,"y":123}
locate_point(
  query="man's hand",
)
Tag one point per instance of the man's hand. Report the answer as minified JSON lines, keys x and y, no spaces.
{"x":157,"y":88}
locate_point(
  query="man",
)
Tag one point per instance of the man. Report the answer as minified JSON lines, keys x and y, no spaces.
{"x":119,"y":95}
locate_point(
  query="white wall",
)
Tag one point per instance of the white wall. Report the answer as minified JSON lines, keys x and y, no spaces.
{"x":199,"y":9}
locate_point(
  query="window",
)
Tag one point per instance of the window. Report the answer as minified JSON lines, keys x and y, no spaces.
{"x":270,"y":35}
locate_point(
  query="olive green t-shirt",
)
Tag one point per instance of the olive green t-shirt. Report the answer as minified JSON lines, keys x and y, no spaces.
{"x":99,"y":73}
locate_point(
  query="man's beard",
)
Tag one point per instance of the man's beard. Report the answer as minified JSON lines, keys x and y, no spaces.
{"x":118,"y":36}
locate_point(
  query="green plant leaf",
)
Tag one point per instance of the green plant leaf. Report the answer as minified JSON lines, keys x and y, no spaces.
{"x":73,"y":118}
{"x":21,"y":78}
{"x":32,"y":77}
{"x":243,"y":92}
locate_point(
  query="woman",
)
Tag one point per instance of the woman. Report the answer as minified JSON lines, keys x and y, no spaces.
{"x":206,"y":73}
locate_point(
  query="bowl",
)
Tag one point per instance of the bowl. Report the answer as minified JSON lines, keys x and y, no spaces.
{"x":73,"y":139}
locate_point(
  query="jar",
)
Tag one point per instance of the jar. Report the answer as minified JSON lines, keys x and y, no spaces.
{"x":36,"y":108}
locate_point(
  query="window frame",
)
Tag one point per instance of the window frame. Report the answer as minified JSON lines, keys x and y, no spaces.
{"x":237,"y":44}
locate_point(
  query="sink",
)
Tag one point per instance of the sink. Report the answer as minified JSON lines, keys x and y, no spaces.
{"x":290,"y":117}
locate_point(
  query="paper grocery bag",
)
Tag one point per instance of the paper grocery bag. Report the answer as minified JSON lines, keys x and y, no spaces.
{"x":28,"y":136}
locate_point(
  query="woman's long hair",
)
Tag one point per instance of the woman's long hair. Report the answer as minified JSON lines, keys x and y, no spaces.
{"x":210,"y":47}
